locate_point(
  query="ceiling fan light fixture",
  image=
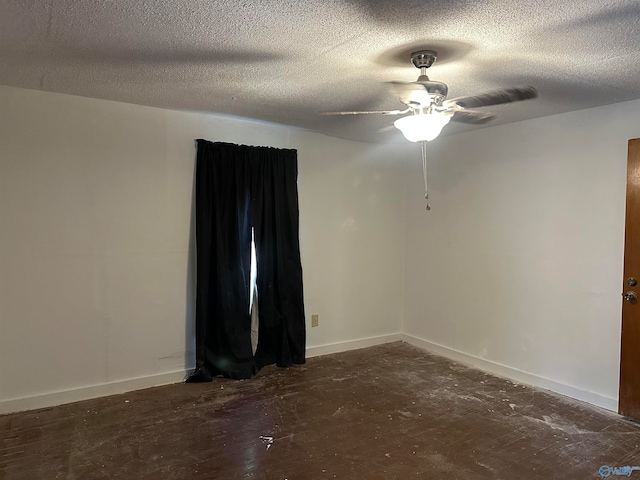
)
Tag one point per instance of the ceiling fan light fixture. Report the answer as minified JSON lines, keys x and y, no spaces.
{"x":422,"y":127}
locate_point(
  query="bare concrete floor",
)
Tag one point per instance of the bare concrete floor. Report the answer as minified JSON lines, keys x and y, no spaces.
{"x":386,"y":412}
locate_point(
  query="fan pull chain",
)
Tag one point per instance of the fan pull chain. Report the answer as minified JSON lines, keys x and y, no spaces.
{"x":424,"y":172}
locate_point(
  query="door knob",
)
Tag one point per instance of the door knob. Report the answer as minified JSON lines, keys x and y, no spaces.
{"x":630,"y":296}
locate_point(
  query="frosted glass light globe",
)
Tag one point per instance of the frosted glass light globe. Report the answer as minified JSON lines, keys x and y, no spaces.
{"x":424,"y":126}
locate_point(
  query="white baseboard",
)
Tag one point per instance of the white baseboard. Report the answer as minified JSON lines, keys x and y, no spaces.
{"x":123,"y":386}
{"x":114,"y":388}
{"x":84,"y":393}
{"x":353,"y":344}
{"x":520,"y":376}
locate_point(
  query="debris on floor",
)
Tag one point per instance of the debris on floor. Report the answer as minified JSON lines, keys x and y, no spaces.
{"x":267,"y":440}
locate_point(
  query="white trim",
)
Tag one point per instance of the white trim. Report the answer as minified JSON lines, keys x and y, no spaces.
{"x":123,"y":386}
{"x":84,"y":393}
{"x":521,"y":376}
{"x":352,"y":344}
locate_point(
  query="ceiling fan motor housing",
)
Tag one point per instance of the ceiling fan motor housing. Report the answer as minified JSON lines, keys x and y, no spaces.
{"x":423,"y":59}
{"x":437,"y":90}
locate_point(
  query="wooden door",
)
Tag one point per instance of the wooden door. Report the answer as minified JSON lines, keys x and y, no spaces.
{"x":629,"y":402}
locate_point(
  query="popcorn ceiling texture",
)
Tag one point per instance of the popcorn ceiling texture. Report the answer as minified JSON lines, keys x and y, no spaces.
{"x":285,"y":61}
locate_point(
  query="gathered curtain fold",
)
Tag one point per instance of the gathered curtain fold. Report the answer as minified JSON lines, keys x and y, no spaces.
{"x":238,"y":188}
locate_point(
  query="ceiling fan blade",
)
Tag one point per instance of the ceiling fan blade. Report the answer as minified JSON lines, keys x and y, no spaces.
{"x":472,"y":116}
{"x":387,"y":128}
{"x":507,"y":95}
{"x":370,"y":112}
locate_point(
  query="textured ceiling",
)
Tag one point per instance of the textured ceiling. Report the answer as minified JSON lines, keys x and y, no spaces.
{"x":286,"y":61}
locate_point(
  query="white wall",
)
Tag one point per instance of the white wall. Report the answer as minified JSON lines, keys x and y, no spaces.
{"x":352,"y":238}
{"x":96,"y":250}
{"x":518,"y":267}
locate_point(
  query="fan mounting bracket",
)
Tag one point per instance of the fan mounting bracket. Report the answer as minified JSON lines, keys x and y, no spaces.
{"x":423,"y":58}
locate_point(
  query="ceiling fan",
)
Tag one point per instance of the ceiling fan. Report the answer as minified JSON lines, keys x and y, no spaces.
{"x":429,"y":109}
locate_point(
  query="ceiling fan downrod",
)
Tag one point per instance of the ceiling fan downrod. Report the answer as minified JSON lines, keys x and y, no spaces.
{"x":423,"y":59}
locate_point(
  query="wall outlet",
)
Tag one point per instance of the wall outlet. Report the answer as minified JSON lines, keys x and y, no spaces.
{"x":314,"y":320}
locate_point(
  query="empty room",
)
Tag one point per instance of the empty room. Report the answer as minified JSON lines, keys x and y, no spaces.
{"x":315,"y":240}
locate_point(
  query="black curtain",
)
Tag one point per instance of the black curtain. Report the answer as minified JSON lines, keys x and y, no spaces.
{"x":239,"y":187}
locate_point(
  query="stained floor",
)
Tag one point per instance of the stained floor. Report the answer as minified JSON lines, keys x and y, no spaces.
{"x":386,"y":412}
